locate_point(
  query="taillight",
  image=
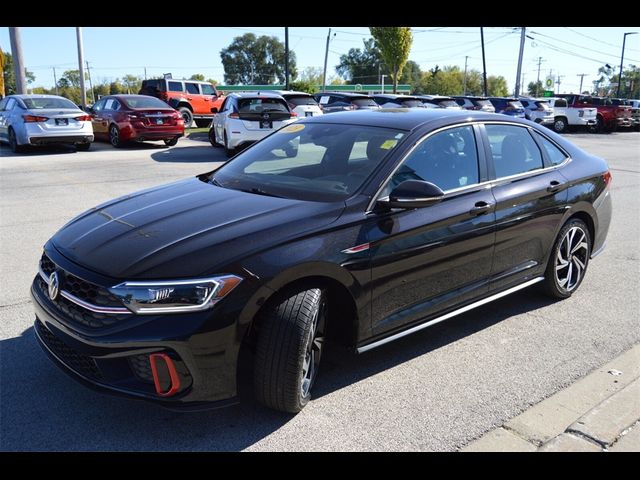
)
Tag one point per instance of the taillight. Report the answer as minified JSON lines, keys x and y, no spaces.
{"x":34,"y":119}
{"x":294,"y":114}
{"x":134,"y":116}
{"x":234,"y":115}
{"x":83,"y":118}
{"x":350,"y":107}
{"x":607,"y":178}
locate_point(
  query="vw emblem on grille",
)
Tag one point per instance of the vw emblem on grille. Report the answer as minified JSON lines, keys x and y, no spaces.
{"x":265,"y":116}
{"x":54,"y":286}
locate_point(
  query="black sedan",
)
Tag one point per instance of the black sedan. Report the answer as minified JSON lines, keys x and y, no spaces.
{"x":357,"y":228}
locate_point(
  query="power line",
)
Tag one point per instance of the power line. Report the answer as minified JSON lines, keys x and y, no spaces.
{"x":579,"y":46}
{"x":597,"y":39}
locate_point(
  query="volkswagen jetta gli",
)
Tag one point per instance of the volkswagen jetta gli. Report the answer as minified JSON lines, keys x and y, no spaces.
{"x":358,"y":228}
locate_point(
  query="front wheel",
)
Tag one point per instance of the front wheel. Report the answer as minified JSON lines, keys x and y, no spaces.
{"x":114,"y":136}
{"x":569,"y":260}
{"x":170,"y":142}
{"x":290,"y":342}
{"x":560,"y":125}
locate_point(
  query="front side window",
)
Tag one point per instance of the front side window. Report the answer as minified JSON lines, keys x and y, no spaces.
{"x":207,"y":89}
{"x":448,"y":159}
{"x":513,"y":150}
{"x":315,"y":161}
{"x":192,"y":88}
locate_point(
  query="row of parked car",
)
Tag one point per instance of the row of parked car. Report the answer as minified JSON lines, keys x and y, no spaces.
{"x":165,"y":107}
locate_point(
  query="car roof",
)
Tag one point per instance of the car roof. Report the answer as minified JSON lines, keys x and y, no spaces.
{"x":255,"y":94}
{"x":38,"y":95}
{"x":406,"y":118}
{"x":434,"y":97}
{"x":290,"y":92}
{"x":176,"y":80}
{"x":393,"y":96}
{"x":345,"y":94}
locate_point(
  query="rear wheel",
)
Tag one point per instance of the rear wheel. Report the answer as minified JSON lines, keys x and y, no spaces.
{"x":560,"y":124}
{"x":229,"y":152}
{"x":83,"y":147}
{"x":289,"y":348}
{"x":13,"y":142}
{"x":212,"y":137}
{"x":187,"y":116}
{"x":569,"y":260}
{"x":170,"y":142}
{"x":114,"y":136}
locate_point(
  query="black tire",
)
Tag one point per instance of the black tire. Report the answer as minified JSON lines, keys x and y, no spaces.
{"x":114,"y":136}
{"x":203,"y":122}
{"x":229,"y":152}
{"x":212,"y":137}
{"x":560,"y":124}
{"x":83,"y":147}
{"x":290,"y":339}
{"x":187,"y":116}
{"x":600,"y":126}
{"x":13,"y":142}
{"x":170,"y":142}
{"x":577,"y":260}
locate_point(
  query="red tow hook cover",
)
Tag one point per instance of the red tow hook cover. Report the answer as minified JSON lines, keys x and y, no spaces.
{"x":154,"y":358}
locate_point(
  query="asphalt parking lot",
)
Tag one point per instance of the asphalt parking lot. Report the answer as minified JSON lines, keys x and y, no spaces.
{"x":435,"y":390}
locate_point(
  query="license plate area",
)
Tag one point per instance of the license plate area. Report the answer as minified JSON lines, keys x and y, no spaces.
{"x":308,"y":114}
{"x":266,"y":124}
{"x":62,"y":121}
{"x":159,"y":121}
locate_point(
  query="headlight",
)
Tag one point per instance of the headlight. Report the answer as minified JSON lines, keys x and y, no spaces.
{"x":174,"y":296}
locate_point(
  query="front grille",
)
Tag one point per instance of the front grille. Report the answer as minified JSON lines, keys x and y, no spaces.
{"x":87,"y":291}
{"x":141,"y":367}
{"x":82,"y":364}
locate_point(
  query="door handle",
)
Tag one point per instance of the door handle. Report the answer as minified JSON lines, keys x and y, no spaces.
{"x":189,"y":98}
{"x":480,"y":208}
{"x":554,"y":186}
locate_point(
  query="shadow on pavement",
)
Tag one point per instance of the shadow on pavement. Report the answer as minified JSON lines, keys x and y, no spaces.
{"x":195,"y":154}
{"x":29,"y":151}
{"x":43,"y":409}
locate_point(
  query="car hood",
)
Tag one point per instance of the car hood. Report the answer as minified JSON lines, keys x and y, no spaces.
{"x":185,"y":229}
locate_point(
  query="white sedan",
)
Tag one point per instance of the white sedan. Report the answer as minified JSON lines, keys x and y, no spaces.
{"x":41,"y":120}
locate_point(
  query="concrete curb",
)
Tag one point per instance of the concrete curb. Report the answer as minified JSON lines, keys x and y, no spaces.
{"x":598,"y":412}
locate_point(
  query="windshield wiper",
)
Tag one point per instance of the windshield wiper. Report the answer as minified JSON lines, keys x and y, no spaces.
{"x":259,"y":191}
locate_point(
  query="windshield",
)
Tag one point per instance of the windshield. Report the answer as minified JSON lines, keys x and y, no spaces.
{"x":313,"y":161}
{"x":515,"y":105}
{"x":48,"y":102}
{"x":364,"y":102}
{"x":144,"y":102}
{"x":412,"y":103}
{"x":449,"y":104}
{"x":301,"y":100}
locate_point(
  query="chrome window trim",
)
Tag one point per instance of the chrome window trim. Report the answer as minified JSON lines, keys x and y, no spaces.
{"x":486,"y":184}
{"x":86,"y":305}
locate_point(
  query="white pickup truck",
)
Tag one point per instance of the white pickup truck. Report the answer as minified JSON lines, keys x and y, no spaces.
{"x":566,"y":116}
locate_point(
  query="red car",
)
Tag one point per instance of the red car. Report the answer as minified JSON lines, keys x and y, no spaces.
{"x":125,"y":118}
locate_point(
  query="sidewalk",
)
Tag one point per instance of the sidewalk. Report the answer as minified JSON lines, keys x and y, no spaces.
{"x":600,"y":412}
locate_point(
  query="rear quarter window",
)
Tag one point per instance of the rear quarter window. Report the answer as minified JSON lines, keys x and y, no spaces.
{"x":175,"y":86}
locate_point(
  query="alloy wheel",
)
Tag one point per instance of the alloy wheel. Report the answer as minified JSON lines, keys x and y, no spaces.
{"x":571,"y":258}
{"x":114,"y":136}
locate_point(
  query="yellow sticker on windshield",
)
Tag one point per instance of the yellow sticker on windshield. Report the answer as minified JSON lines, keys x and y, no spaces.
{"x":292,"y":128}
{"x":389,"y":144}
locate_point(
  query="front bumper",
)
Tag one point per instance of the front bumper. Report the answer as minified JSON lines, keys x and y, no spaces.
{"x":115,"y":358}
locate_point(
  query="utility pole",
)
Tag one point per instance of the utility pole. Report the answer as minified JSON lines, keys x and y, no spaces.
{"x":326,"y":55}
{"x":18,"y":62}
{"x":624,"y":40}
{"x":581,"y":75}
{"x":81,"y":66}
{"x":93,"y":96}
{"x":464,"y":83}
{"x":558,"y":82}
{"x":145,"y":73}
{"x":55,"y":80}
{"x":286,"y":58}
{"x":519,"y":71}
{"x":538,"y":80}
{"x":484,"y":65}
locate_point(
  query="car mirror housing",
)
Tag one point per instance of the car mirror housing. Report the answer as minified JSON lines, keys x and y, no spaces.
{"x":413,"y":194}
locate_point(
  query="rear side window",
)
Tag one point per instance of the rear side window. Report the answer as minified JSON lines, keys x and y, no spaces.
{"x":513,"y":150}
{"x":364,"y":102}
{"x":556,"y":156}
{"x":561,"y":103}
{"x":207,"y":89}
{"x":259,"y":105}
{"x":301,"y":100}
{"x":412,"y":103}
{"x":175,"y":86}
{"x":192,"y":88}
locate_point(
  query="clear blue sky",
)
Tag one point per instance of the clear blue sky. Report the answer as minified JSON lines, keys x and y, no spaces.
{"x":183,"y":51}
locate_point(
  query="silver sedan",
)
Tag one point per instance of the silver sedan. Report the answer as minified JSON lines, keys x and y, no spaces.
{"x":43,"y":119}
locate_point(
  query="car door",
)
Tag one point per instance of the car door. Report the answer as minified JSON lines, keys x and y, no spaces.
{"x":426,"y":260}
{"x":208,"y":96}
{"x":3,"y":120}
{"x":192,"y":93}
{"x":530,"y":196}
{"x":10,"y":117}
{"x":98,"y":120}
{"x":220,"y":119}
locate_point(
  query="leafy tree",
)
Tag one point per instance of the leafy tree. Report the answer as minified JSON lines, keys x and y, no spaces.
{"x":251,"y":60}
{"x":497,"y":86}
{"x":212,"y":81}
{"x":304,"y":86}
{"x":394,"y":44}
{"x":411,"y":75}
{"x":197,"y":76}
{"x":313,"y":75}
{"x":9,"y":76}
{"x":535,"y":88}
{"x":101,"y":89}
{"x":70,"y":79}
{"x":117,"y":87}
{"x":361,"y":66}
{"x":42,"y":91}
{"x":132,"y":83}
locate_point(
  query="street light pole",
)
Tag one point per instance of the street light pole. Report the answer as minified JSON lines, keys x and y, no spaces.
{"x":383,"y":82}
{"x":624,"y":39}
{"x":326,"y":55}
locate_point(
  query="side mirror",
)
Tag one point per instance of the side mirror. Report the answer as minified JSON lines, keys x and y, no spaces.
{"x":413,"y":194}
{"x":214,"y":109}
{"x":91,"y":111}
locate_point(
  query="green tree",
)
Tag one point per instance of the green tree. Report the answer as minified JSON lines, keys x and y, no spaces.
{"x":42,"y":91}
{"x":394,"y":44}
{"x":411,"y":75}
{"x":304,"y":86}
{"x":535,"y":88}
{"x":70,"y":79}
{"x":212,"y":81}
{"x":197,"y":76}
{"x":251,"y":60}
{"x":361,"y":66}
{"x":313,"y":75}
{"x":117,"y":87}
{"x":497,"y":86}
{"x":132,"y":83}
{"x":9,"y":76}
{"x":101,"y":89}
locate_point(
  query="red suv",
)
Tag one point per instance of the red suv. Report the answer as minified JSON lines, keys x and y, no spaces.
{"x":192,"y":98}
{"x":124,"y":118}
